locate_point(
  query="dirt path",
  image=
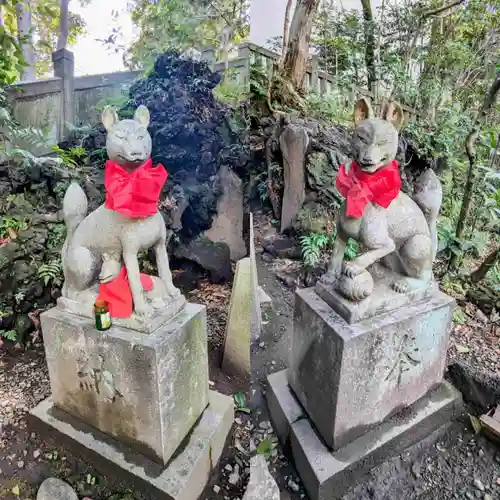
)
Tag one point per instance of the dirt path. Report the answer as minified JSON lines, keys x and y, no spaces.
{"x":455,"y":464}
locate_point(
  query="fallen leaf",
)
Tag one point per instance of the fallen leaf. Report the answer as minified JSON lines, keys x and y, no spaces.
{"x":462,"y":348}
{"x":16,"y":491}
{"x":476,"y":424}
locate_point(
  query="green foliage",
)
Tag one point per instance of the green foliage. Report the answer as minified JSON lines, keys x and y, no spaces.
{"x":240,"y":402}
{"x":259,"y":81}
{"x":45,"y":15}
{"x":230,"y":91}
{"x":459,"y":317}
{"x":493,"y":277}
{"x":332,"y":107}
{"x":312,"y":246}
{"x":51,"y":272}
{"x":72,"y":157}
{"x":56,"y":236}
{"x":10,"y":226}
{"x":11,"y":57}
{"x":8,"y":335}
{"x":267,"y":446}
{"x":182,"y":24}
{"x":120,"y":101}
{"x":14,"y":138}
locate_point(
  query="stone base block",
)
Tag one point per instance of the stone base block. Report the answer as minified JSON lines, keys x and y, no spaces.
{"x":328,"y":475}
{"x":185,"y":476}
{"x":383,"y":299}
{"x":163,"y":311}
{"x":366,"y":371}
{"x":146,"y":390}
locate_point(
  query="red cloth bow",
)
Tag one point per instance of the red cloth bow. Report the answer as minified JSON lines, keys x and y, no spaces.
{"x":134,"y":194}
{"x":118,"y":295}
{"x":359,"y":188}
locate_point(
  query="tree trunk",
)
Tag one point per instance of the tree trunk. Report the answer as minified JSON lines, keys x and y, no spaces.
{"x":24,"y":28}
{"x":297,"y":54}
{"x":286,"y":27}
{"x":62,"y":41}
{"x":480,"y":273}
{"x":369,"y":45}
{"x":489,"y":101}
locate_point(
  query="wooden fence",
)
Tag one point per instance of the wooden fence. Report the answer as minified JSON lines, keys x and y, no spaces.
{"x":58,"y":103}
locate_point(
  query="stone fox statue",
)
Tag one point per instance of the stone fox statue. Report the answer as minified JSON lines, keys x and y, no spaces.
{"x":391,"y":227}
{"x":128,"y":222}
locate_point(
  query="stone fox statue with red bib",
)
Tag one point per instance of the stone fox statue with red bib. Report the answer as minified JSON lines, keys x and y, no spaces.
{"x":392,"y":228}
{"x":103,"y":246}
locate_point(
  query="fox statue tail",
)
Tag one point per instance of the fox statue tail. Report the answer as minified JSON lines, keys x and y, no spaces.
{"x":428,"y":195}
{"x":75,"y":208}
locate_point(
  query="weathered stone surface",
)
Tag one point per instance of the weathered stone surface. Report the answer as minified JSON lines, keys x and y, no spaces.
{"x":237,"y":343}
{"x":282,"y":247}
{"x":366,"y":371}
{"x":163,"y":311}
{"x":186,"y":474}
{"x":260,"y":300}
{"x":261,"y":485}
{"x":283,"y":406}
{"x":480,"y":387}
{"x":55,"y":489}
{"x":144,"y":390}
{"x":214,"y":257}
{"x":383,"y":298}
{"x":327,"y":475}
{"x":293,"y":142}
{"x":227,"y":226}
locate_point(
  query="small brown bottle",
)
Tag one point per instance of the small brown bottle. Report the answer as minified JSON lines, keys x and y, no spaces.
{"x":102,"y":315}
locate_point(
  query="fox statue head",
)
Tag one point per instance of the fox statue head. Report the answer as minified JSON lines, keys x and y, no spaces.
{"x":128,"y":142}
{"x":375,"y":140}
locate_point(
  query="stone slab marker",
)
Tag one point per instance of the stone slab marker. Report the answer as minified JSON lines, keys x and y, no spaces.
{"x":260,"y":300}
{"x":293,"y":142}
{"x":237,"y":342}
{"x":227,"y":226}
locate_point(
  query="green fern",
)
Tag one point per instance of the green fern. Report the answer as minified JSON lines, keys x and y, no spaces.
{"x":9,"y":335}
{"x":51,"y":272}
{"x":312,"y":246}
{"x":351,"y":250}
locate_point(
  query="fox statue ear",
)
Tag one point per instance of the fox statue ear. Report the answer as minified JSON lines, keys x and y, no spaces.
{"x":363,"y":110}
{"x":109,"y":117}
{"x":393,"y":112}
{"x":142,"y":115}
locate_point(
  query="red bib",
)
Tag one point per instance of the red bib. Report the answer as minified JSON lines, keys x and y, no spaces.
{"x":134,"y":194}
{"x":360,"y":188}
{"x":118,"y":295}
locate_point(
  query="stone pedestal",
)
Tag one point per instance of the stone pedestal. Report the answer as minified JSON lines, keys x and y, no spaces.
{"x":367,"y":371}
{"x":188,"y":471}
{"x":142,"y":393}
{"x":357,"y":393}
{"x":327,"y":474}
